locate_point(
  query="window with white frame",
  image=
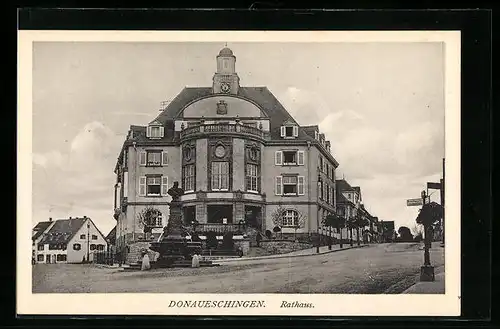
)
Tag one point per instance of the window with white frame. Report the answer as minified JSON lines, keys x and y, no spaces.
{"x":155,"y":131}
{"x":41,"y":247}
{"x":288,"y":185}
{"x":153,"y":158}
{"x":220,"y":176}
{"x":289,"y":158}
{"x":252,"y":177}
{"x":153,"y":185}
{"x":290,"y":218}
{"x":188,"y":176}
{"x":289,"y":131}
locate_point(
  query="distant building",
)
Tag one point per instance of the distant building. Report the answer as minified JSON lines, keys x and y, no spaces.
{"x":388,"y":231}
{"x":348,"y":203}
{"x":72,"y":240}
{"x":37,"y":236}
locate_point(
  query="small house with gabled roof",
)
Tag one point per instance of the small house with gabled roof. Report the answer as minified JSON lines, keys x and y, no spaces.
{"x":72,"y":240}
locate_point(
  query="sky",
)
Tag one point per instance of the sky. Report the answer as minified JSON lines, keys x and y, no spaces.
{"x":380,"y":104}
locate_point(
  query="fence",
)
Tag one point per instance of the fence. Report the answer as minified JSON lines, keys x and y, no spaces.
{"x":105,"y":257}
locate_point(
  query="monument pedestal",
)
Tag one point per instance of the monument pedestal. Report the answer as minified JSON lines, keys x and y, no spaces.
{"x":174,"y":248}
{"x":427,"y":273}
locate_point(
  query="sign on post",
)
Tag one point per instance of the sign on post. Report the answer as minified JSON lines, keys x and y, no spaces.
{"x":433,"y":186}
{"x":416,"y":202}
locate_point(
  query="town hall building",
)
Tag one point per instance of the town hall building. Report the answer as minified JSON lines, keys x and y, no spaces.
{"x":239,"y":156}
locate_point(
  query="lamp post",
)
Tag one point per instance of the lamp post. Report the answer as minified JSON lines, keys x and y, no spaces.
{"x":427,"y":270}
{"x":317,"y":216}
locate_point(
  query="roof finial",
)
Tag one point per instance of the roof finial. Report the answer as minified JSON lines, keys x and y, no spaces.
{"x":225,"y":45}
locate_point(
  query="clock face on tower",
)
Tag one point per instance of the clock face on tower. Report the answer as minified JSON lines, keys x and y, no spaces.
{"x":224,"y":87}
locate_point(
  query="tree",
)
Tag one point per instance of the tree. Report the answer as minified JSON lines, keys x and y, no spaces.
{"x":298,"y":223}
{"x":350,"y":223}
{"x":405,"y":234}
{"x":430,"y":214}
{"x":148,"y":219}
{"x":360,"y":221}
{"x":335,"y":221}
{"x":277,"y":218}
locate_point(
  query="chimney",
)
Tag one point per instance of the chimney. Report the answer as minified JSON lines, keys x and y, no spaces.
{"x":50,"y":219}
{"x":69,"y":217}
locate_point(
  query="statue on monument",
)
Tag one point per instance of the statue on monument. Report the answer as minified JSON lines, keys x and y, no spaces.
{"x":174,"y":226}
{"x":175,"y":192}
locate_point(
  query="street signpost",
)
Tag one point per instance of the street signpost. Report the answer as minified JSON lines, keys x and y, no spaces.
{"x":433,"y":186}
{"x":417,"y":202}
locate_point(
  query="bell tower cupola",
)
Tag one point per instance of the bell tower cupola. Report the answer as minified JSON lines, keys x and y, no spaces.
{"x":225,"y":80}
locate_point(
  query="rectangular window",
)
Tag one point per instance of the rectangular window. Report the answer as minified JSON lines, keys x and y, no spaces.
{"x":320,"y":162}
{"x":188,"y":175}
{"x":290,"y":218}
{"x":39,"y":258}
{"x":155,"y":131}
{"x":289,"y":158}
{"x":82,"y":236}
{"x":153,"y":185}
{"x":251,"y":179}
{"x":94,"y":237}
{"x":290,"y":185}
{"x":154,"y":158}
{"x":289,"y":131}
{"x":220,"y":176}
{"x":41,"y":247}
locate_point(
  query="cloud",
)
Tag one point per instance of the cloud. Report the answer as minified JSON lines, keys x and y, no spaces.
{"x":80,"y":180}
{"x":391,"y":162}
{"x":307,"y":107}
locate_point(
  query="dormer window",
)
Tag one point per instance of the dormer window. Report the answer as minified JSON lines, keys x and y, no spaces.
{"x":155,"y":130}
{"x":289,"y":130}
{"x":316,"y":135}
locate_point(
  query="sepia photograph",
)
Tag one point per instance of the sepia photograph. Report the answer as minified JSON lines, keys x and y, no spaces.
{"x":230,"y":166}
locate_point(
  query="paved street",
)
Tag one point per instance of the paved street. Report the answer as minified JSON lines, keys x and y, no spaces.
{"x":384,"y":268}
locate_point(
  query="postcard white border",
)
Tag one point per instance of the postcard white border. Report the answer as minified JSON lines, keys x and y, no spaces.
{"x":156,"y":304}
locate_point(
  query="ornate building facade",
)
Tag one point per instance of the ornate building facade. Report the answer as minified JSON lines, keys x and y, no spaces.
{"x":237,"y":153}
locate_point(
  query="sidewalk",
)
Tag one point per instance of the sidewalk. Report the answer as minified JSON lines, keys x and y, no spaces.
{"x":298,"y":253}
{"x":435,"y":287}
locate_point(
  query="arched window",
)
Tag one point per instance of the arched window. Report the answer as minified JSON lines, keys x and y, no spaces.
{"x":290,"y":218}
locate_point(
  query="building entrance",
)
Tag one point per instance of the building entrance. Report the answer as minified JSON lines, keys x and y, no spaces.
{"x":217,"y":213}
{"x":189,"y":214}
{"x":253,"y":216}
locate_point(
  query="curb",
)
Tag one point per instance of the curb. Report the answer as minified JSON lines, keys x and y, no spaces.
{"x":438,"y":271}
{"x":285,"y":255}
